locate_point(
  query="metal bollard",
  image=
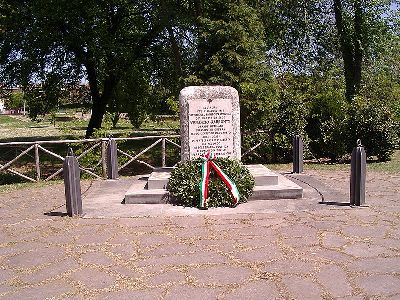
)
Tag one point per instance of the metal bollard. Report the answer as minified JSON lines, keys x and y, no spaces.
{"x":72,"y":182}
{"x":357,"y":176}
{"x":297,"y":154}
{"x":112,"y":160}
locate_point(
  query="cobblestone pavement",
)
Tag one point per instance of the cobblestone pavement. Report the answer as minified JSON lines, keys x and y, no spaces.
{"x":311,"y":251}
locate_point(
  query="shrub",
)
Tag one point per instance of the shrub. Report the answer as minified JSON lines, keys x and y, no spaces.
{"x":374,"y":124}
{"x":185,"y":179}
{"x":327,"y":125}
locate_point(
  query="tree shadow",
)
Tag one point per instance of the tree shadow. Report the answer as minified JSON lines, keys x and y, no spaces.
{"x":334,"y":203}
{"x":56,"y":214}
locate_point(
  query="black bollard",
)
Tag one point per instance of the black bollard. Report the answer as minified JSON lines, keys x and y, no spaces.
{"x":112,"y":160}
{"x":357,"y":176}
{"x":297,"y":154}
{"x":72,"y":182}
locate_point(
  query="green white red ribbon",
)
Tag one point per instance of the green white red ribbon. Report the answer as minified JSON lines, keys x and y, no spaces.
{"x":206,"y":166}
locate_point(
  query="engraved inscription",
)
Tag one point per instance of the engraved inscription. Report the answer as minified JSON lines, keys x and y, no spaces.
{"x":210,"y":127}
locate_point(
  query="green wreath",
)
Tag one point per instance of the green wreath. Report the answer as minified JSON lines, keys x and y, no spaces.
{"x":184,"y":183}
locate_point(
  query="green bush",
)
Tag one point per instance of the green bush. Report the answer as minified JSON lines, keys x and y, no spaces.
{"x":327,"y":125}
{"x":373,"y":123}
{"x":185,"y":179}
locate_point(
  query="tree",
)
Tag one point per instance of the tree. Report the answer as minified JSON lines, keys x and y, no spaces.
{"x":229,"y":48}
{"x":75,"y":39}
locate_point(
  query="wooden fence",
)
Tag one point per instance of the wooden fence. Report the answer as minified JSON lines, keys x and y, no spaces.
{"x":23,"y":156}
{"x":40,"y":154}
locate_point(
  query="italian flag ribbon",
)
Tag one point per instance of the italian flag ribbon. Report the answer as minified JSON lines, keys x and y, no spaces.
{"x":206,"y":166}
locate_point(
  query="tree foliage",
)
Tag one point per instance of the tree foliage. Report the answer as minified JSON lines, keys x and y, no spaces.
{"x":298,"y":65}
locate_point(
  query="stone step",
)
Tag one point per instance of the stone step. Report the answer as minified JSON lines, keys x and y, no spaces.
{"x":158,"y":179}
{"x":269,"y":186}
{"x":262,"y":175}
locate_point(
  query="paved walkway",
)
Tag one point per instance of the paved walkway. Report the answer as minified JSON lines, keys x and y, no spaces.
{"x":281,"y":249}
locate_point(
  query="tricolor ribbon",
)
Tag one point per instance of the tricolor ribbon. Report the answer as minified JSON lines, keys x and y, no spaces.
{"x":207,"y":164}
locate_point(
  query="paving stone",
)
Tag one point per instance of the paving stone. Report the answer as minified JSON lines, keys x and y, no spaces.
{"x":26,"y":236}
{"x":301,"y":241}
{"x":192,"y":293}
{"x":260,"y":255}
{"x":222,"y":245}
{"x":221,"y":275}
{"x":9,"y":249}
{"x":92,"y":238}
{"x":333,"y":240}
{"x":51,"y":271}
{"x":171,"y":249}
{"x":391,"y":244}
{"x":125,"y":271}
{"x":122,"y":238}
{"x":6,"y":275}
{"x":261,"y":289}
{"x":93,"y":278}
{"x":290,"y":266}
{"x":190,"y":232}
{"x":268,"y":222}
{"x":376,"y":265}
{"x":141,"y":222}
{"x":365,"y":231}
{"x":126,"y":251}
{"x":298,"y":231}
{"x":155,"y":240}
{"x":45,"y":291}
{"x":227,"y":228}
{"x":334,"y":279}
{"x":330,"y":225}
{"x":21,"y":247}
{"x":6,"y":289}
{"x":365,"y":250}
{"x":252,"y":231}
{"x":168,"y":277}
{"x":379,"y":284}
{"x":96,"y":258}
{"x":188,"y":221}
{"x":149,"y":294}
{"x":36,"y":257}
{"x":184,"y":259}
{"x":59,"y":238}
{"x":302,"y":288}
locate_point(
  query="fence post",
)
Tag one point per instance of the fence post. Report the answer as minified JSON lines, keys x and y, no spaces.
{"x":163,"y":152}
{"x":357,"y":175}
{"x":104,"y":157}
{"x":112,"y":160}
{"x":297,"y":154}
{"x":72,"y":185}
{"x":37,"y":162}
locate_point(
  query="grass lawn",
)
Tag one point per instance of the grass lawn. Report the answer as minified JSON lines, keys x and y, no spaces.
{"x":68,"y":126}
{"x":71,"y":126}
{"x":392,"y":166}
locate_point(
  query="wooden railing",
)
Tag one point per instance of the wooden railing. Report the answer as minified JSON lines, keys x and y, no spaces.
{"x":24,"y":156}
{"x":23,"y":151}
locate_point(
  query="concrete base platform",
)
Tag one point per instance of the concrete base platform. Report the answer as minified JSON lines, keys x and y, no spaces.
{"x":268,"y":186}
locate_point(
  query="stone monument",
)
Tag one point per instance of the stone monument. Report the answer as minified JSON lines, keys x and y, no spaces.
{"x":210,"y":120}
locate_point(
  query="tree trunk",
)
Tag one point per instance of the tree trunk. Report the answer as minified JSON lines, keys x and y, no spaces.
{"x":350,"y":47}
{"x":358,"y":51}
{"x":99,"y":101}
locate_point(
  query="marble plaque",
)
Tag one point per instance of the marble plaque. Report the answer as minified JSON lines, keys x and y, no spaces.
{"x":210,"y":120}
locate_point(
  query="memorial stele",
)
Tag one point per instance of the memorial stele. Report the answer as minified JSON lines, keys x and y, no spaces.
{"x":210,"y":121}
